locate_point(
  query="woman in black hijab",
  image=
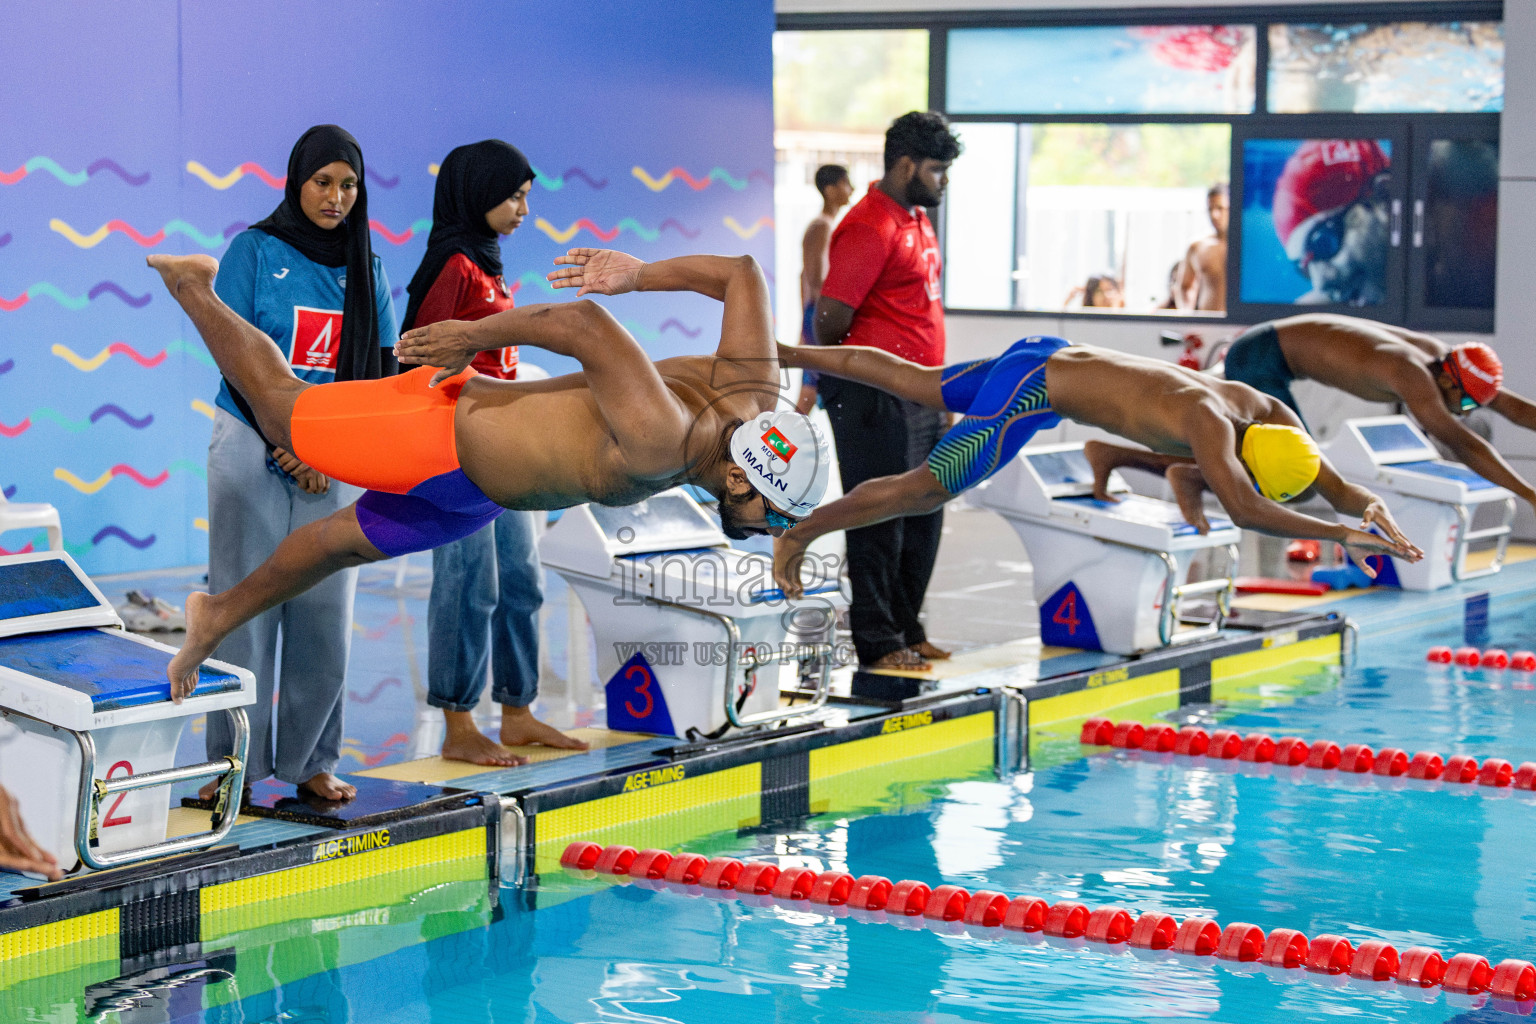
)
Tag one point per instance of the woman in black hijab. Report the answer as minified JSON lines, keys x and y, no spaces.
{"x":487,"y":588}
{"x":307,"y":276}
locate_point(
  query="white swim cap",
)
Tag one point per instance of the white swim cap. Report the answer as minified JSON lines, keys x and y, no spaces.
{"x":786,"y":458}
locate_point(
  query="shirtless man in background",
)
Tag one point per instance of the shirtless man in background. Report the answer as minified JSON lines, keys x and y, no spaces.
{"x":1203,"y":281}
{"x":443,"y":452}
{"x":1437,"y":383}
{"x":1246,"y":447}
{"x":836,"y":191}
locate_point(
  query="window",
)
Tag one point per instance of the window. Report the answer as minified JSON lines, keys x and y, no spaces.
{"x":834,"y":94}
{"x":1398,"y":68}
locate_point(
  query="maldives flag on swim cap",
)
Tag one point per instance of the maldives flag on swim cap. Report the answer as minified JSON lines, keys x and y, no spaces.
{"x":780,"y":444}
{"x":1324,"y":174}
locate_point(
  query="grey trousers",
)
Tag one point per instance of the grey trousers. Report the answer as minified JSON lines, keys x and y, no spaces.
{"x":250,"y":510}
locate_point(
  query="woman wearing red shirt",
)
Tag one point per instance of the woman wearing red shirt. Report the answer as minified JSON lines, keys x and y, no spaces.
{"x":487,"y":588}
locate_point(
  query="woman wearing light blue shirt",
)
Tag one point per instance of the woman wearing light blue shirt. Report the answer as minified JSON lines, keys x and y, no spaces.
{"x":307,"y":276}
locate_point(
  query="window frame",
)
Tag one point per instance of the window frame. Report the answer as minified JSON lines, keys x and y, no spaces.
{"x":1312,"y":125}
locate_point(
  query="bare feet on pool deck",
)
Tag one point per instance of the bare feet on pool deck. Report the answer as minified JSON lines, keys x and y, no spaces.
{"x":520,"y":729}
{"x":176,"y":271}
{"x":932,"y":653}
{"x":465,"y":742}
{"x":197,"y":648}
{"x":328,"y":787}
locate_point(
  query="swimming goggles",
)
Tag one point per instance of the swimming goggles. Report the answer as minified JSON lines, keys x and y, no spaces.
{"x":1325,"y":238}
{"x":776,"y":520}
{"x":1468,"y":403}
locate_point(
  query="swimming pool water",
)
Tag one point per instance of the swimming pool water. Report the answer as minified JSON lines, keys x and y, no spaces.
{"x":1450,"y":867}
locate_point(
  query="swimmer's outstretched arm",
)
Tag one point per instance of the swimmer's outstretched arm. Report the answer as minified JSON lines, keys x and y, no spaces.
{"x":871,"y":366}
{"x":913,"y":493}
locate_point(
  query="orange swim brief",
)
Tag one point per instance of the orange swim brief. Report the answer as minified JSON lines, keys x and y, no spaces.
{"x":386,"y":435}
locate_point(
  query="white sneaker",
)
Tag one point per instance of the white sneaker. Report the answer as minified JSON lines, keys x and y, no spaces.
{"x":146,"y":613}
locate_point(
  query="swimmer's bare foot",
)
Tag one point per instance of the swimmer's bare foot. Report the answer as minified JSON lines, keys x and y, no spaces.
{"x":1103,"y":459}
{"x":906,"y":659}
{"x":199,"y":646}
{"x":210,"y":790}
{"x":1188,"y":485}
{"x":927,"y":650}
{"x":465,"y":742}
{"x":177,"y":271}
{"x":519,"y":729}
{"x":328,"y":787}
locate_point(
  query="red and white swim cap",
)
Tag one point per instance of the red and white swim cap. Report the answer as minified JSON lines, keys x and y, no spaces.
{"x":1323,"y":175}
{"x":1478,"y":370}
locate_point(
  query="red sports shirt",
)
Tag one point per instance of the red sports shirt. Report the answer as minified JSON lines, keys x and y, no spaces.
{"x":463,"y":291}
{"x":884,"y":262}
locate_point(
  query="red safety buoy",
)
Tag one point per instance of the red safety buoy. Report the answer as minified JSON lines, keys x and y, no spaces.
{"x":1525,"y":661}
{"x":1374,"y":961}
{"x":908,"y":898}
{"x":1197,"y":936}
{"x":1324,"y":754}
{"x":1390,"y":761}
{"x":581,"y":856}
{"x":1192,"y":741}
{"x":650,"y":864}
{"x":1154,"y":931}
{"x":1440,"y":655}
{"x":794,"y":884}
{"x":1111,"y":925}
{"x":1525,"y":776}
{"x":1066,"y":920}
{"x":1495,"y":657}
{"x":1330,"y":954}
{"x":986,"y":909}
{"x":1460,"y":768}
{"x":1514,"y":980}
{"x":1285,"y":947}
{"x":1128,"y":735}
{"x":946,"y":903}
{"x":1495,"y":772}
{"x":1097,"y":732}
{"x":1159,"y":739}
{"x":1468,"y":657}
{"x":615,"y":860}
{"x":686,"y":868}
{"x":1225,"y":745}
{"x":1290,"y":750}
{"x":757,"y":878}
{"x":1467,"y":972}
{"x":1426,"y":765}
{"x":721,"y":873}
{"x":1258,"y":747}
{"x":832,"y":888}
{"x":1026,"y":914}
{"x":1241,"y":942}
{"x":1421,"y":966}
{"x":1356,"y":759}
{"x":870,"y":892}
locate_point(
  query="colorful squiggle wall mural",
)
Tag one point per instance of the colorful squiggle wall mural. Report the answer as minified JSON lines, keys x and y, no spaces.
{"x":179,"y":137}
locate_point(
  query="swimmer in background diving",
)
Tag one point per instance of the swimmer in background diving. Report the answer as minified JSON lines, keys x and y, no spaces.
{"x":444,"y":451}
{"x":1435,"y":382}
{"x":1247,"y":447}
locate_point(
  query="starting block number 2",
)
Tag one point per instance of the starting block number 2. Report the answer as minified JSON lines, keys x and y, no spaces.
{"x":112,"y":818}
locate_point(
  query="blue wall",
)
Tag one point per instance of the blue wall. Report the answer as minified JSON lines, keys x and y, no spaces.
{"x":105,"y":391}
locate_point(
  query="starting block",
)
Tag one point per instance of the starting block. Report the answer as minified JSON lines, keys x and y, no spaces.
{"x":1107,"y":574}
{"x":1442,"y":506}
{"x":87,"y":728}
{"x":684,"y":622}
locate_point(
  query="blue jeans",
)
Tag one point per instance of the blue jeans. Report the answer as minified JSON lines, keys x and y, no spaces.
{"x":484,"y":615}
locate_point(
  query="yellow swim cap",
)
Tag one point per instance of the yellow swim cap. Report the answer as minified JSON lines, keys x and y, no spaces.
{"x":1283,"y":460}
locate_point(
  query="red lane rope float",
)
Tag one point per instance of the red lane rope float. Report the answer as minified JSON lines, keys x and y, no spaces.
{"x":1322,"y":755}
{"x":1511,"y":980}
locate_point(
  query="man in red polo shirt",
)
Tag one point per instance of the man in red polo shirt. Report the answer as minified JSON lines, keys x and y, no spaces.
{"x":882,"y":290}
